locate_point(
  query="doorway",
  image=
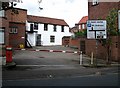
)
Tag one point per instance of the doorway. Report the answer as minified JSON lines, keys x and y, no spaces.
{"x":38,"y":40}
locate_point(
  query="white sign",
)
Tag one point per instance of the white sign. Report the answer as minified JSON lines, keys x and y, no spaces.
{"x":96,"y":29}
{"x":19,"y":1}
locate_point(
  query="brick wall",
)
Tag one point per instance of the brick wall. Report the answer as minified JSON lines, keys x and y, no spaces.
{"x":74,"y":43}
{"x":19,"y":17}
{"x":101,"y":10}
{"x":16,"y":20}
{"x":98,"y":49}
{"x":18,"y":38}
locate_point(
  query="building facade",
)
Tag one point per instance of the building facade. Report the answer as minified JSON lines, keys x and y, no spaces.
{"x":82,"y":24}
{"x":100,"y":10}
{"x":46,"y":31}
{"x":17,"y":26}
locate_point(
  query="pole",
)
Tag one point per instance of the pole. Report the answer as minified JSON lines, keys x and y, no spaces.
{"x":96,"y":53}
{"x":92,"y":60}
{"x":81,"y":59}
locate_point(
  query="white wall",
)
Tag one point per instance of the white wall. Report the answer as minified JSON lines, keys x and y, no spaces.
{"x":45,"y":35}
{"x":32,"y":39}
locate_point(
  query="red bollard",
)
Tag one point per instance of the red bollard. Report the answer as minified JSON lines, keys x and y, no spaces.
{"x":8,"y":54}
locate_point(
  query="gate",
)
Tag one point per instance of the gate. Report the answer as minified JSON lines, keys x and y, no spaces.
{"x":82,"y":46}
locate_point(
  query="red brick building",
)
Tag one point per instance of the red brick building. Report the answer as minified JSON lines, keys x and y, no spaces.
{"x":100,"y":10}
{"x":17,"y":26}
{"x":13,"y":26}
{"x":81,"y":25}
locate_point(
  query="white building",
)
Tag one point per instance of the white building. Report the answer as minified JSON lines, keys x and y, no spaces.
{"x":46,"y":31}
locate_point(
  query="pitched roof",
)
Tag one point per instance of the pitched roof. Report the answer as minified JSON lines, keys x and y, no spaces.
{"x":83,"y":20}
{"x":47,"y":20}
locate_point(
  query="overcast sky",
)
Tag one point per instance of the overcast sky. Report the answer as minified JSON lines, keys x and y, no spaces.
{"x":69,"y":10}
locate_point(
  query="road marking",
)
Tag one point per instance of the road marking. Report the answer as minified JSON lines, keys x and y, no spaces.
{"x":50,"y":50}
{"x":42,"y":65}
{"x":37,"y":50}
{"x":64,"y":51}
{"x":75,"y":52}
{"x":23,"y":49}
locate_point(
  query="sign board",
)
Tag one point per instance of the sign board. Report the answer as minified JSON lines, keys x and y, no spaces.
{"x":96,"y":29}
{"x":19,"y":1}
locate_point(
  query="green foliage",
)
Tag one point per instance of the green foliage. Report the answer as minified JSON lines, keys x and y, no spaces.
{"x":112,"y":22}
{"x":82,"y":33}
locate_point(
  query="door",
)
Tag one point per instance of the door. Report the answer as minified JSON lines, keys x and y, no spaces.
{"x":38,"y":40}
{"x":82,"y":46}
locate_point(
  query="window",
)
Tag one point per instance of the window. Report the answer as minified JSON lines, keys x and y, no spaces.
{"x":54,"y":28}
{"x":36,"y":26}
{"x":62,"y":28}
{"x":79,"y":26}
{"x":31,"y":27}
{"x":52,"y":39}
{"x":2,"y":13}
{"x":95,"y":2}
{"x":1,"y":36}
{"x":45,"y":27}
{"x":13,"y":30}
{"x":83,"y":26}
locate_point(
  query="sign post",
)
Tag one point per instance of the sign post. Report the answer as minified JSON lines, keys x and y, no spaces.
{"x":96,"y":29}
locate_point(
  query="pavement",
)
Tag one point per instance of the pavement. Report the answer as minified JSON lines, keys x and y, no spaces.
{"x":54,"y":62}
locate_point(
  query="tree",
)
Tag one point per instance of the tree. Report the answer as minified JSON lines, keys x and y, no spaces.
{"x":112,"y":30}
{"x":82,"y":33}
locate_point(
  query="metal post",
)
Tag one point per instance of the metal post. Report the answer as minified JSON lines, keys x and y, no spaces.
{"x":92,"y":59}
{"x":81,"y":59}
{"x":95,"y":61}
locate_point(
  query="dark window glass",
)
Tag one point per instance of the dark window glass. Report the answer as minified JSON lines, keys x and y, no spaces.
{"x":45,"y":27}
{"x":31,"y":27}
{"x":55,"y":28}
{"x":36,"y":26}
{"x":52,"y":39}
{"x":62,"y":28}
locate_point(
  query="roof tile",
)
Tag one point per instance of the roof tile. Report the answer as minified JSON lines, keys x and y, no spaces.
{"x":46,"y":20}
{"x":83,"y":20}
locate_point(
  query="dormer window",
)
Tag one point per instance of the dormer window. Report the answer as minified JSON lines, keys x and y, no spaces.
{"x":95,"y":2}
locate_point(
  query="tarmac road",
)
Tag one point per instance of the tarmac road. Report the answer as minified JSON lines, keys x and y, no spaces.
{"x":32,"y":65}
{"x":91,"y":80}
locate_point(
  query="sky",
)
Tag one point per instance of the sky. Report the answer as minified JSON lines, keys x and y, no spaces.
{"x":69,"y":10}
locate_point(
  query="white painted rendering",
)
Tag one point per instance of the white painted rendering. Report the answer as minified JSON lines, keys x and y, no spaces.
{"x":45,"y":35}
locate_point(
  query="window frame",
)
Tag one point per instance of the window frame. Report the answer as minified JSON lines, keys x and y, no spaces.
{"x":35,"y":26}
{"x":95,"y":2}
{"x":2,"y":13}
{"x":52,"y":39}
{"x":2,"y":31}
{"x":13,"y":30}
